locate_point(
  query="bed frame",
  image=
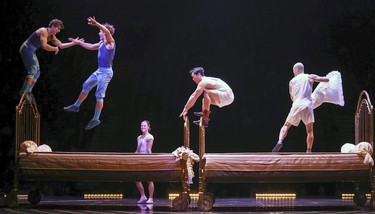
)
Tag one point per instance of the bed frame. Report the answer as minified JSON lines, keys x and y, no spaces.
{"x":89,"y":166}
{"x":291,"y":167}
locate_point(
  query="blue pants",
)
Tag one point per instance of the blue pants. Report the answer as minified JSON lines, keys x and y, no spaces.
{"x":30,"y":61}
{"x":100,"y":78}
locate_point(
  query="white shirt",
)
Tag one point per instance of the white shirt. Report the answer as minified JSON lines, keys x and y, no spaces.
{"x":142,"y":143}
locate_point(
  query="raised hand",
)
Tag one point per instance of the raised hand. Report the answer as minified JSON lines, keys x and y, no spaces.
{"x":92,"y":21}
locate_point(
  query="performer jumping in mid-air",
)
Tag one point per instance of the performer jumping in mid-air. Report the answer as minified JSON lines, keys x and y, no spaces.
{"x":102,"y":76}
{"x":37,"y":39}
{"x":215,"y":91}
{"x":304,"y":101}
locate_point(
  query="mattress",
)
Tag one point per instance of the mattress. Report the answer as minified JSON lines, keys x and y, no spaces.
{"x":99,"y":166}
{"x":285,"y":167}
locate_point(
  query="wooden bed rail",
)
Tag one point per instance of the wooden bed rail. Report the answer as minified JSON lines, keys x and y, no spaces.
{"x":205,"y":202}
{"x":187,"y":133}
{"x":202,"y":141}
{"x":181,"y":202}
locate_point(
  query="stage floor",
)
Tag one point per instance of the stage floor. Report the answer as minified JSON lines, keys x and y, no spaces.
{"x":73,"y":205}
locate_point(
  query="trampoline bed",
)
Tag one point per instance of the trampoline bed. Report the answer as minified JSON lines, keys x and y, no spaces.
{"x":268,"y":167}
{"x":90,"y":166}
{"x":285,"y":167}
{"x":99,"y":166}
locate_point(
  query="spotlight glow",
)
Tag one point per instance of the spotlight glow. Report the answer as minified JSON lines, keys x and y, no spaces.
{"x":350,"y":196}
{"x":193,"y":196}
{"x":108,"y":196}
{"x":286,"y":196}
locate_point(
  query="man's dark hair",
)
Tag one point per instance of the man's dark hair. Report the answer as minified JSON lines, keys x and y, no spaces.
{"x":197,"y":70}
{"x":56,"y":23}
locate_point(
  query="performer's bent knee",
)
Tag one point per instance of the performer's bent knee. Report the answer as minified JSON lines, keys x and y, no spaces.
{"x":30,"y":77}
{"x":99,"y":99}
{"x":85,"y":90}
{"x":37,"y":75}
{"x":84,"y":93}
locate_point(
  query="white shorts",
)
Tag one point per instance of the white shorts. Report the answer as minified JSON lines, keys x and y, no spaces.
{"x":225,"y":97}
{"x":301,"y":111}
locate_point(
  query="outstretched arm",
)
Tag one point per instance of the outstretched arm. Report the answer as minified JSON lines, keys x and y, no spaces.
{"x":193,"y":98}
{"x":67,"y":44}
{"x":317,"y":78}
{"x":110,"y":41}
{"x":82,"y":43}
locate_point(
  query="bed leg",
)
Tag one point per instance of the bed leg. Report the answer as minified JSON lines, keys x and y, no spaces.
{"x":372,"y":183}
{"x":206,"y":200}
{"x":359,"y":196}
{"x":11,"y":199}
{"x":185,"y":181}
{"x":202,"y":177}
{"x":181,"y":202}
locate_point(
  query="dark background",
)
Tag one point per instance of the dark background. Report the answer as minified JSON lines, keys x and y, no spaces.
{"x":252,"y":45}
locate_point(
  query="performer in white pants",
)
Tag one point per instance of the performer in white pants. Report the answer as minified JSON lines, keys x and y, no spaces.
{"x":215,"y":92}
{"x":304,"y":101}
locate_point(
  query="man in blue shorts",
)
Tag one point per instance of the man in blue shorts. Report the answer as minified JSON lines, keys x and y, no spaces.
{"x":102,"y":76}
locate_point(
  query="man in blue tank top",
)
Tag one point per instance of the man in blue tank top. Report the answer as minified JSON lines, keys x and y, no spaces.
{"x":102,"y":76}
{"x":37,"y":39}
